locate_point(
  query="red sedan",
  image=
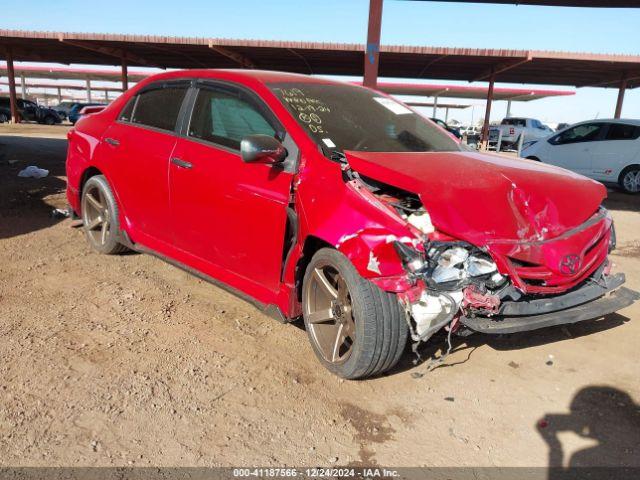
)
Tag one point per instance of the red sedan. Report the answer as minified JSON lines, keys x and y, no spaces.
{"x":339,"y":204}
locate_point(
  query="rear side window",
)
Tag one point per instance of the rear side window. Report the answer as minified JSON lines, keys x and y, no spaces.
{"x":587,"y":132}
{"x":621,"y":131}
{"x":225,"y":117}
{"x":516,"y":122}
{"x":159,"y":108}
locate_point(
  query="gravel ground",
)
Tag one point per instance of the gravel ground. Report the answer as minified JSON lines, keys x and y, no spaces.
{"x":126,"y":360}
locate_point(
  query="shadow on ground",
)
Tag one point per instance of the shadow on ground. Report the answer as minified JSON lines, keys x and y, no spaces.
{"x":26,"y":203}
{"x":602,"y":414}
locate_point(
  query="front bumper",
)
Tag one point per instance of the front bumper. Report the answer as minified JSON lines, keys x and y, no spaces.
{"x":592,"y":301}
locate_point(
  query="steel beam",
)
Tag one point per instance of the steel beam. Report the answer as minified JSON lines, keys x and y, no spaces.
{"x":124,"y":76}
{"x":111,"y":52}
{"x":89,"y":90}
{"x":487,"y":113}
{"x":503,"y":67}
{"x":372,"y":48}
{"x":13,"y":99}
{"x":621,"y":91}
{"x":240,"y":59}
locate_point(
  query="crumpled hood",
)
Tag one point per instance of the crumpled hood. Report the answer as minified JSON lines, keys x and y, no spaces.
{"x":482,"y":198}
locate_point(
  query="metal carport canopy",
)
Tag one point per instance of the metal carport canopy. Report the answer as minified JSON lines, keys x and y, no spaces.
{"x":554,"y":3}
{"x":470,"y":64}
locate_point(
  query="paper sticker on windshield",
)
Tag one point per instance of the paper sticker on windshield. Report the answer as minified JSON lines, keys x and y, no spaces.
{"x":392,"y":105}
{"x":329,"y":143}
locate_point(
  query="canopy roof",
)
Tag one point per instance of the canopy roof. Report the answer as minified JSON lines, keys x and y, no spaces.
{"x":402,"y":61}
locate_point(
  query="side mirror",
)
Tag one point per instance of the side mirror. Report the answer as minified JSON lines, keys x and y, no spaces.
{"x":262,"y":149}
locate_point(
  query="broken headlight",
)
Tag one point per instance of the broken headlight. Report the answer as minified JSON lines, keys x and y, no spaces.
{"x":452,"y":266}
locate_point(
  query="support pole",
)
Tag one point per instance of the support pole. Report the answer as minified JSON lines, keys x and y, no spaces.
{"x":487,"y":114}
{"x":508,"y":108}
{"x":59,"y":95}
{"x":13,"y":99}
{"x":23,"y":86}
{"x":106,"y":96}
{"x":446,"y":115}
{"x":372,"y":52}
{"x":88,"y":90}
{"x":124,"y":74}
{"x":435,"y":106}
{"x":621,"y":92}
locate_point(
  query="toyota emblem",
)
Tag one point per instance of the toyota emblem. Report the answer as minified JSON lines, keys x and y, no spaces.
{"x":569,"y":264}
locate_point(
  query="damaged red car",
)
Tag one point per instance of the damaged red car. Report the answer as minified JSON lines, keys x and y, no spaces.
{"x":338,"y":204}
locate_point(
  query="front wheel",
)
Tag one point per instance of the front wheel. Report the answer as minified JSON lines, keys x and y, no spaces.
{"x":630,"y":179}
{"x":100,"y":216}
{"x":49,"y":120}
{"x":356,"y":330}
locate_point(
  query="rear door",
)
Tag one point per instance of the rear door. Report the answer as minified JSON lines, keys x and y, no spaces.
{"x":227,"y":214}
{"x":137,"y":148}
{"x":615,"y":151}
{"x":573,"y":148}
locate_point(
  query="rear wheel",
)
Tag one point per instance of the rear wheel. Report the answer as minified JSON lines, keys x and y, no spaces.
{"x":49,"y":120}
{"x":355,"y":329}
{"x":100,"y":216}
{"x":3,"y":118}
{"x":630,"y":179}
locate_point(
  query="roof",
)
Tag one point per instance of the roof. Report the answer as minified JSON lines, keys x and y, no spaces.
{"x":467,"y":91}
{"x":402,"y":61}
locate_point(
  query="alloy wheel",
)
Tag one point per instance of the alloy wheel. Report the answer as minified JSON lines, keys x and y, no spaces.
{"x":631,"y":181}
{"x":96,"y":215}
{"x":329,"y":314}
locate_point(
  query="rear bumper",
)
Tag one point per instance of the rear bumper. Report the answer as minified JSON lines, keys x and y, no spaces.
{"x":587,"y":303}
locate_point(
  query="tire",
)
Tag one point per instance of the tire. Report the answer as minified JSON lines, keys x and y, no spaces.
{"x":100,"y":216}
{"x":49,"y":120}
{"x":626,"y":184}
{"x":3,"y":118}
{"x":378,"y":332}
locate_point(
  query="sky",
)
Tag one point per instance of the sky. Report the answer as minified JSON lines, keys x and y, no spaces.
{"x":345,"y":21}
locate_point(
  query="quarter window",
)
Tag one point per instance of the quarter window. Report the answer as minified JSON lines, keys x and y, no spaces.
{"x":159,"y":108}
{"x":622,"y":131}
{"x":225,"y":117}
{"x":581,"y":133}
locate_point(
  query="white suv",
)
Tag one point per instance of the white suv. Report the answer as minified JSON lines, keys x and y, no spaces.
{"x":605,"y":150}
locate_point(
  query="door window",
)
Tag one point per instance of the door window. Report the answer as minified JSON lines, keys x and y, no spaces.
{"x":622,"y":131}
{"x":159,"y":108}
{"x":581,"y":133}
{"x":225,"y":117}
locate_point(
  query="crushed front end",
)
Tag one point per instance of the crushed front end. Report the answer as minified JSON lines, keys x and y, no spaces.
{"x":513,"y":286}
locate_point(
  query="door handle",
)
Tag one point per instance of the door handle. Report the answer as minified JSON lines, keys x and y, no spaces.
{"x":180,"y":163}
{"x":112,"y":141}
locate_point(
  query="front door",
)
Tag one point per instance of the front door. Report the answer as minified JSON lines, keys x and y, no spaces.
{"x":573,"y":148}
{"x":228,"y":214}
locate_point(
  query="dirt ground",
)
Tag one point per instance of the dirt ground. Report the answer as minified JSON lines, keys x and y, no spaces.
{"x":126,"y":360}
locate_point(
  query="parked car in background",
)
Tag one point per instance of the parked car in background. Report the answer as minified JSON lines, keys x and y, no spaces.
{"x":605,"y":150}
{"x":452,"y":130}
{"x":472,"y":134}
{"x":562,"y":126}
{"x":339,"y":204}
{"x":513,"y":128}
{"x":63,"y":108}
{"x":76,"y":109}
{"x":29,"y":111}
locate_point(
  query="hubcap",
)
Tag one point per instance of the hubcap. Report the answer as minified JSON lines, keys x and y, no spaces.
{"x":631,"y":181}
{"x":328,"y":314}
{"x":95,"y":215}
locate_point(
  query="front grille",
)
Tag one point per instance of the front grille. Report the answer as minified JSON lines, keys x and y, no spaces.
{"x":538,"y":278}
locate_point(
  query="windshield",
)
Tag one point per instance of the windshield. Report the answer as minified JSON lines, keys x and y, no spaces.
{"x":348,"y":117}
